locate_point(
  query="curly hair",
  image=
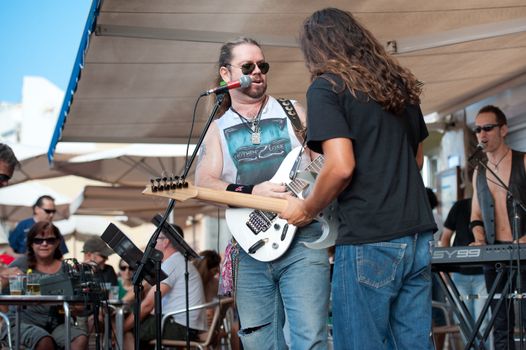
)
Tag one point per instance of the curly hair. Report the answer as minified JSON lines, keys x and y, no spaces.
{"x":333,"y":41}
{"x":42,"y":227}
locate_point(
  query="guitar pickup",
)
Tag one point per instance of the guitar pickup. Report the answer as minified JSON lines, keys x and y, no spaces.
{"x":257,"y":245}
{"x":284,"y":232}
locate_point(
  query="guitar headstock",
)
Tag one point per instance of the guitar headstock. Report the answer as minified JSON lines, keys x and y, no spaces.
{"x":166,"y":187}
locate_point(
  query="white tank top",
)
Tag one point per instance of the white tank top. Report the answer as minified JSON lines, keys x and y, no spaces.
{"x":249,"y":164}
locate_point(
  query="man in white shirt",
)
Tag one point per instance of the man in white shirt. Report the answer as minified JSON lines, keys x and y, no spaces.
{"x":173,"y":298}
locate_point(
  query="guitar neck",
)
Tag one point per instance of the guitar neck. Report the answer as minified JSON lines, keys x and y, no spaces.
{"x":234,"y":199}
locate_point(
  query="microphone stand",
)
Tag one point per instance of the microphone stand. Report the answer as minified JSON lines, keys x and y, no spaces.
{"x":516,"y":224}
{"x":148,"y":253}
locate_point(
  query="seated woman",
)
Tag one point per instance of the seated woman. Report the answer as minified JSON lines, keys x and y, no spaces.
{"x":208,"y":268}
{"x":42,"y":326}
{"x":126,"y":293}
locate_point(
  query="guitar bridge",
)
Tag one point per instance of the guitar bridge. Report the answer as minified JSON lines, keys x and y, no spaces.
{"x":260,"y":221}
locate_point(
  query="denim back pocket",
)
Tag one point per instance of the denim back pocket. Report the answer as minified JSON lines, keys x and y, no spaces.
{"x":377,"y":263}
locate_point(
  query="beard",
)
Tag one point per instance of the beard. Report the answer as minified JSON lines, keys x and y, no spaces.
{"x":255,"y":92}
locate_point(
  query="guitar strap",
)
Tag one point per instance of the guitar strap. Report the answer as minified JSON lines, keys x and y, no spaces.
{"x":299,"y":130}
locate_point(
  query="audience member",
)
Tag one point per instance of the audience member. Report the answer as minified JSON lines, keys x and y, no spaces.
{"x":173,"y":298}
{"x":42,"y":327}
{"x":208,"y":268}
{"x":8,"y":163}
{"x":97,"y":252}
{"x":43,"y":210}
{"x":469,"y":280}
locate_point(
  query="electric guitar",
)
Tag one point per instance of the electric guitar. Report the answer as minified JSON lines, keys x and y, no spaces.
{"x":259,"y":231}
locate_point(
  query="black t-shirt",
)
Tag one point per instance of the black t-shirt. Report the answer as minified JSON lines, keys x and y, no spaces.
{"x":386,"y":198}
{"x":107,"y":275}
{"x":457,"y":221}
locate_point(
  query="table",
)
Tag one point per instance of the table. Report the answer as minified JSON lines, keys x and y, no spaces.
{"x":118,"y":306}
{"x":24,"y":300}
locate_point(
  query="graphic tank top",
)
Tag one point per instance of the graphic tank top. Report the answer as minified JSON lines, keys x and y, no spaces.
{"x":249,"y":164}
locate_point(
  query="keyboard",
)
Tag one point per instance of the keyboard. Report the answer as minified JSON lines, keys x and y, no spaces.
{"x":478,"y":254}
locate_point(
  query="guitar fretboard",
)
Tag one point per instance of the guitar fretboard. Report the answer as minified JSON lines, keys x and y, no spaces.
{"x":298,"y":185}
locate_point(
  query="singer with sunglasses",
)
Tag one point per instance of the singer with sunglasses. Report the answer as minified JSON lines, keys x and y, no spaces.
{"x":42,"y":327}
{"x":44,"y":209}
{"x":242,"y":151}
{"x":492,"y":210}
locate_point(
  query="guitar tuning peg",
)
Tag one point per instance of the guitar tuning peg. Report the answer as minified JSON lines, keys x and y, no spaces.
{"x":154,"y":188}
{"x":172,"y":185}
{"x":159,"y":186}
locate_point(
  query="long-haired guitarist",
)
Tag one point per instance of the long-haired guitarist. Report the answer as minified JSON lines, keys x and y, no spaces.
{"x":242,"y":151}
{"x":363,"y":115}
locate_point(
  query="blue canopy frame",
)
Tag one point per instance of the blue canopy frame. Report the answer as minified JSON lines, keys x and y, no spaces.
{"x":75,"y":77}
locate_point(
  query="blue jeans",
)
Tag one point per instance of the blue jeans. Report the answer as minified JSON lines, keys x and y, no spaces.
{"x":472,"y":289}
{"x":296,"y":284}
{"x":382,"y":295}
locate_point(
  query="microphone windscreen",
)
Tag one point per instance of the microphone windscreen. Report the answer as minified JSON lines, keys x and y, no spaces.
{"x":245,"y":81}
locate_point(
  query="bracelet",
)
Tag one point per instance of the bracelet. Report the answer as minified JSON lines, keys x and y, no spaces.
{"x":475,"y":223}
{"x":240,"y":188}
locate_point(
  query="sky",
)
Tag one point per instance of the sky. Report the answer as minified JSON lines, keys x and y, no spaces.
{"x":38,"y":38}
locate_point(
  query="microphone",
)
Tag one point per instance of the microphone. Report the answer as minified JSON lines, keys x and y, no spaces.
{"x":480,"y":147}
{"x":243,"y":82}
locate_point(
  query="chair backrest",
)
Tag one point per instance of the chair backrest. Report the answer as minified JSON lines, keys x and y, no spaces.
{"x":219,"y":315}
{"x":220,"y":309}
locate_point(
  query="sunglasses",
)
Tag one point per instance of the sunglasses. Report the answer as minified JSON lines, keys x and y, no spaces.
{"x":50,"y":240}
{"x":124,"y":268}
{"x":4,"y":177}
{"x":49,"y":211}
{"x":248,"y":68}
{"x":486,"y":128}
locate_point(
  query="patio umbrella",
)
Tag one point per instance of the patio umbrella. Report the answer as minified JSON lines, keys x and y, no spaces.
{"x":133,"y":165}
{"x":34,"y":164}
{"x":16,"y":202}
{"x":129,"y":201}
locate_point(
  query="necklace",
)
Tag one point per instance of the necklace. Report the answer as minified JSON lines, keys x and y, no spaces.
{"x":253,"y":126}
{"x":496,"y":165}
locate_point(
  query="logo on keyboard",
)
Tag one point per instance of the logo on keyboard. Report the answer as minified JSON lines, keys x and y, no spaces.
{"x":457,"y":253}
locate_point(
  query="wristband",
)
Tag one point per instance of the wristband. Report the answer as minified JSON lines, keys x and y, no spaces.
{"x":475,"y":223}
{"x":240,"y":188}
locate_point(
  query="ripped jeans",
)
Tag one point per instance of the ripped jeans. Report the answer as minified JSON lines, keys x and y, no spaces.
{"x":296,"y":284}
{"x":382,"y":295}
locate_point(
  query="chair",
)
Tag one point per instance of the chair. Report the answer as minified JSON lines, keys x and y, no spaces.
{"x":220,"y":307}
{"x":8,"y":325}
{"x":451,"y":330}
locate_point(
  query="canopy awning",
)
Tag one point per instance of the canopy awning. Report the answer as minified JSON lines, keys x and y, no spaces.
{"x":149,"y":60}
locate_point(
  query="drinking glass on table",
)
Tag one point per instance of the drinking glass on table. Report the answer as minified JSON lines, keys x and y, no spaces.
{"x":33,"y":284}
{"x":17,"y":284}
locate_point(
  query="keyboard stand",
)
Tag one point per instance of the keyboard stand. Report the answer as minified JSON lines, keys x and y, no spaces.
{"x":469,"y":328}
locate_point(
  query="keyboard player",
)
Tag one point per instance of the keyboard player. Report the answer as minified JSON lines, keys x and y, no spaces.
{"x":492,"y":214}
